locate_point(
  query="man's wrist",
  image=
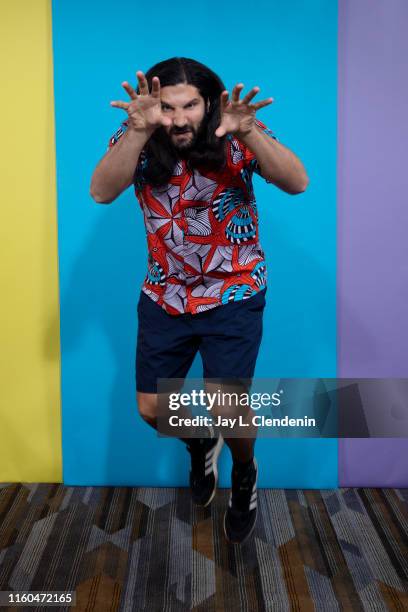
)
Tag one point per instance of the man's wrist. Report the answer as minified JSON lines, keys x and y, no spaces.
{"x":140,"y":134}
{"x":248,"y":136}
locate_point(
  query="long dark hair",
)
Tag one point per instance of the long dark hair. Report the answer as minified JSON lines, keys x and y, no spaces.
{"x":208,"y":150}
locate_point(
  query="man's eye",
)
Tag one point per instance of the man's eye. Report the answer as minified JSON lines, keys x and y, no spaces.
{"x":165,"y":108}
{"x":190,"y":104}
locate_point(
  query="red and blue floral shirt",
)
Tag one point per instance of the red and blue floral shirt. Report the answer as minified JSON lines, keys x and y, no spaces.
{"x":202,"y":232}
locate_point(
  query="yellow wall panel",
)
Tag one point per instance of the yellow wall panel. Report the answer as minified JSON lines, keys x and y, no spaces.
{"x":30,"y":429}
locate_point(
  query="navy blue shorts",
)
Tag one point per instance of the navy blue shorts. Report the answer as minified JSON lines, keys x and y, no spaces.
{"x":228,"y":339}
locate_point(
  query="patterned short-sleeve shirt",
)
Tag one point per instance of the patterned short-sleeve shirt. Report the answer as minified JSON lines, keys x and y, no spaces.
{"x":202,"y":232}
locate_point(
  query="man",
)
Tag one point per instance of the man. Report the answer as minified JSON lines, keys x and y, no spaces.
{"x":190,"y":150}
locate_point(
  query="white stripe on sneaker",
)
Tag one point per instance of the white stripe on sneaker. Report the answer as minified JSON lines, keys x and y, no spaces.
{"x":210,"y":453}
{"x":212,"y":457}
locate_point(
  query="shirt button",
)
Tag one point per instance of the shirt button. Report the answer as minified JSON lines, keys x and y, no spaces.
{"x":154,"y":249}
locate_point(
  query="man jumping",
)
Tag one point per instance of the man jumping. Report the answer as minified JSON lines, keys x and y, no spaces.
{"x":190,"y":151}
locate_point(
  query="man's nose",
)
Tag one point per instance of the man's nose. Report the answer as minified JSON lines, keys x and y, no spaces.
{"x":179,"y":119}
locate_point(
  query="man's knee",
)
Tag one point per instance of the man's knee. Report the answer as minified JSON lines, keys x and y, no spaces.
{"x":147,"y":407}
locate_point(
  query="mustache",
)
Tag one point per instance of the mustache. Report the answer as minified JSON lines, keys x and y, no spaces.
{"x":183,"y":130}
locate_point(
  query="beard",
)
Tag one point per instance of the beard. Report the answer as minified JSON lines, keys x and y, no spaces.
{"x":202,"y":149}
{"x":185,"y":147}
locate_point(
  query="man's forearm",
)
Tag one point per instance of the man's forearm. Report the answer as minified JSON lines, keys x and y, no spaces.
{"x":115,"y":171}
{"x":278,"y":163}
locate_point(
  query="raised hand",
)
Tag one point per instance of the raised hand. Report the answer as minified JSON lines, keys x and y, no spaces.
{"x":144,"y":110}
{"x":238,"y":116}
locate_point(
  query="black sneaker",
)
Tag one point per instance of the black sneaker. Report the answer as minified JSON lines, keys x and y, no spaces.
{"x":204,"y":474}
{"x":240,"y":517}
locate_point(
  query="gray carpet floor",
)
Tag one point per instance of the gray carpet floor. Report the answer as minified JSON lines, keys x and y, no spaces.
{"x":123,"y":548}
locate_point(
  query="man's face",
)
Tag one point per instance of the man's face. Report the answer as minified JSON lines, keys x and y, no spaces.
{"x":186,"y":108}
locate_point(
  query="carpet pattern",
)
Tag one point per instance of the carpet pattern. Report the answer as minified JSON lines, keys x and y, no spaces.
{"x":123,"y":548}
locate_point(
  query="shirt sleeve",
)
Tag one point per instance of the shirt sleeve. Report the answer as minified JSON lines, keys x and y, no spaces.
{"x":250,"y":158}
{"x":118,"y":134}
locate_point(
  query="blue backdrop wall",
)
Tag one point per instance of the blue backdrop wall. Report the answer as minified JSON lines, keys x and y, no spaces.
{"x":290,"y":51}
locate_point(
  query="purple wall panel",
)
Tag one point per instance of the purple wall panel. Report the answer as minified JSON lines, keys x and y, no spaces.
{"x":373,"y":219}
{"x":373,"y":463}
